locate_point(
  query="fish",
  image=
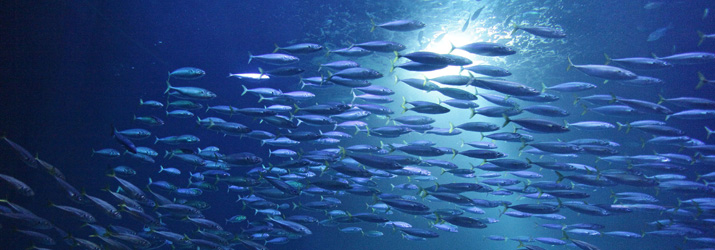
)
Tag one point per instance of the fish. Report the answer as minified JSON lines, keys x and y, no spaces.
{"x":124,"y":141}
{"x":466,"y":25}
{"x":399,"y":25}
{"x":659,"y":33}
{"x":191,"y":92}
{"x":251,"y":77}
{"x":486,"y":49}
{"x":18,"y":185}
{"x":187,"y":73}
{"x":688,"y":58}
{"x":274,"y":59}
{"x":639,"y":63}
{"x":300,"y":48}
{"x":381,"y":46}
{"x":540,"y":31}
{"x":603,"y":71}
{"x":488,"y":70}
{"x":476,"y":13}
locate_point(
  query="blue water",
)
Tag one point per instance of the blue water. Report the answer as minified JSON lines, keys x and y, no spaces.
{"x":73,"y":69}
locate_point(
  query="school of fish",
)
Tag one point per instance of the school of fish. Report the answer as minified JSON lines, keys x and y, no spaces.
{"x":339,"y":132}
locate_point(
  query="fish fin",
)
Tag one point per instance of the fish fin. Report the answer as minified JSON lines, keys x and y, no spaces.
{"x":561,"y":176}
{"x":702,"y":81}
{"x":506,"y":120}
{"x":250,"y":57}
{"x":710,"y":131}
{"x":372,"y":22}
{"x":168,"y":87}
{"x":516,"y":27}
{"x":608,"y":59}
{"x":570,"y":63}
{"x":702,"y":37}
{"x":245,"y":90}
{"x":277,"y":48}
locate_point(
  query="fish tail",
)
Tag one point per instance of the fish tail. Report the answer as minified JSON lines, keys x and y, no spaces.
{"x":372,"y":22}
{"x":506,"y":207}
{"x":620,"y":125}
{"x":397,"y":79}
{"x":473,"y":113}
{"x":653,"y":55}
{"x":702,"y":81}
{"x":570,"y":63}
{"x":561,"y":176}
{"x":250,"y":57}
{"x":585,"y":109}
{"x":516,"y":27}
{"x":702,"y":37}
{"x":260,"y":98}
{"x":451,"y":127}
{"x":245,"y":90}
{"x":452,"y":48}
{"x":576,"y":99}
{"x":156,"y":140}
{"x":506,"y":120}
{"x":168,"y":87}
{"x":710,"y":131}
{"x":352,"y":92}
{"x":277,"y":48}
{"x":302,"y":83}
{"x":404,"y":108}
{"x":608,"y":59}
{"x":614,"y":98}
{"x":662,"y":99}
{"x":543,"y":87}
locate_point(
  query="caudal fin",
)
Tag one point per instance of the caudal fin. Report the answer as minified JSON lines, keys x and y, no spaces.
{"x":277,"y":48}
{"x":702,"y":37}
{"x":506,"y":120}
{"x":168,"y":87}
{"x":702,"y":81}
{"x":709,"y":132}
{"x":570,"y":63}
{"x":245,"y":90}
{"x":516,"y":27}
